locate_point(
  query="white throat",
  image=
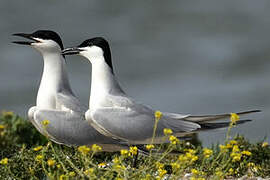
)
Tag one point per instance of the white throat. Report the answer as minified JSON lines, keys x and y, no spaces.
{"x":54,"y":79}
{"x":103,"y":83}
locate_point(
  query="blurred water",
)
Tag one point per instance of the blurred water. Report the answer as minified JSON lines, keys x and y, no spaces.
{"x":196,"y":57}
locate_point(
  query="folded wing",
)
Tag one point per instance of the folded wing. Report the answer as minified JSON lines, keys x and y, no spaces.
{"x":135,"y":125}
{"x":69,"y":128}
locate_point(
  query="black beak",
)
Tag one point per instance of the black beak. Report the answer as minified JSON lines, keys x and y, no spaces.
{"x":27,"y":36}
{"x":71,"y":51}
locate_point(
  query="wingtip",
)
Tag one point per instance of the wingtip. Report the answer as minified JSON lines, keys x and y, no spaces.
{"x":219,"y":125}
{"x":249,"y":112}
{"x":243,"y":121}
{"x":17,"y":34}
{"x":256,"y":110}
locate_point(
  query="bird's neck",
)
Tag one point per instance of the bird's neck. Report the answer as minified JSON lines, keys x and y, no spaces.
{"x":103,"y":83}
{"x":54,"y":79}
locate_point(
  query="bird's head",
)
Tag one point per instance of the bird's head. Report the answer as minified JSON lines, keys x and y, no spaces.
{"x":43,"y":40}
{"x":95,"y":49}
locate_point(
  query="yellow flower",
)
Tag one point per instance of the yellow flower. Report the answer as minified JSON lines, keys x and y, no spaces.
{"x":255,"y":168}
{"x":116,"y":160}
{"x":167,"y":131}
{"x":235,"y":149}
{"x":173,"y":140}
{"x":223,"y":148}
{"x":161,"y":172}
{"x":119,"y":167}
{"x":251,"y":164}
{"x":159,"y":165}
{"x":124,"y":152}
{"x":71,"y":174}
{"x":45,"y":122}
{"x":194,"y":171}
{"x":190,"y":155}
{"x":63,"y":177}
{"x":83,"y":149}
{"x":2,"y":132}
{"x":234,"y":118}
{"x":133,"y":150}
{"x":194,"y":158}
{"x":228,"y":146}
{"x":96,"y":148}
{"x":51,"y":162}
{"x":231,"y":171}
{"x":150,"y":146}
{"x":39,"y":158}
{"x":246,"y":153}
{"x":236,"y":156}
{"x":233,"y":142}
{"x":219,"y":173}
{"x":38,"y":148}
{"x":158,"y":115}
{"x":89,"y":171}
{"x":58,"y":166}
{"x":2,"y":127}
{"x":8,"y":114}
{"x":265,"y":144}
{"x":175,"y":166}
{"x":4,"y":161}
{"x":102,"y":165}
{"x":207,"y":152}
{"x":182,"y":158}
{"x":192,"y":151}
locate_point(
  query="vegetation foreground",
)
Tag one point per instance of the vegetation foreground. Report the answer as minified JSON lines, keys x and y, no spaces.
{"x":26,"y":154}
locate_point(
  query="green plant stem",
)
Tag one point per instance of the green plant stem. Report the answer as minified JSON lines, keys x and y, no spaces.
{"x":73,"y":166}
{"x":57,"y":157}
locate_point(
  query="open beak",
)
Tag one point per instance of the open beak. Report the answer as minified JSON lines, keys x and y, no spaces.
{"x":27,"y":36}
{"x":71,"y":51}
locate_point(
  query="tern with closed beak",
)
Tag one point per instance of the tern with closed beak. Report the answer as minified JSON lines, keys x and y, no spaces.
{"x":114,"y":114}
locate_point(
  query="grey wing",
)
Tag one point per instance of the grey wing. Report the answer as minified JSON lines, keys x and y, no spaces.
{"x":176,"y":115}
{"x":205,"y":121}
{"x":69,"y":128}
{"x":136,"y":124}
{"x":31,"y":113}
{"x":207,"y":118}
{"x":69,"y":101}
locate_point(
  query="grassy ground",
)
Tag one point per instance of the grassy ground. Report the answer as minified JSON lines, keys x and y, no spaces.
{"x":26,"y":154}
